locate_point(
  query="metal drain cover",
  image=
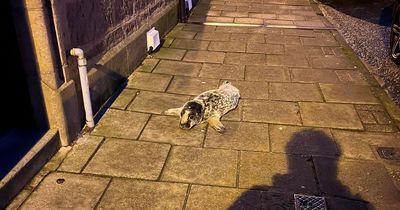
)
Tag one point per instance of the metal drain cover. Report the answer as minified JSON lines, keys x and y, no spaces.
{"x":389,"y":153}
{"x":309,"y":202}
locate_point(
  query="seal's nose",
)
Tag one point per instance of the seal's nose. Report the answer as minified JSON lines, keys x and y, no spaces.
{"x":184,"y":126}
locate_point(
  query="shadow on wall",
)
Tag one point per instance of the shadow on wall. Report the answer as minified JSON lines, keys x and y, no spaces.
{"x":105,"y":83}
{"x":309,"y":146}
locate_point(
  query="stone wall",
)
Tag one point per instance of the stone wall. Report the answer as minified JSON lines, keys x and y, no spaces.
{"x":98,"y":25}
{"x":112,"y":35}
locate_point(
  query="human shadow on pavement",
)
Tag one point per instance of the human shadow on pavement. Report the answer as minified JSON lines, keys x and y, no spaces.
{"x":310,"y":154}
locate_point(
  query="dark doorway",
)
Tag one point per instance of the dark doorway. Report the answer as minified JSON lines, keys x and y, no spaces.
{"x":21,"y":120}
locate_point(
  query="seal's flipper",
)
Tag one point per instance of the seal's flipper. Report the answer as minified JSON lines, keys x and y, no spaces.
{"x":215,"y":123}
{"x":174,"y":111}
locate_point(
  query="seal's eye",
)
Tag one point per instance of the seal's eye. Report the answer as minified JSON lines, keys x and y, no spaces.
{"x":191,"y":117}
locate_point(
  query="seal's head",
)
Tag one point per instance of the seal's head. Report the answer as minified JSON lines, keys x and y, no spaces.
{"x":191,"y":114}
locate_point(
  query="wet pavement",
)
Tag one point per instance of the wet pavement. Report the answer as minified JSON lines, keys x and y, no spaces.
{"x":310,"y":121}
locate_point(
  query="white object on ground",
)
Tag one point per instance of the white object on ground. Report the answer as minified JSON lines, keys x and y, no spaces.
{"x":84,"y":85}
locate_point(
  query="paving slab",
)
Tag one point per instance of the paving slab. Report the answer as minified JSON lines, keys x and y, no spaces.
{"x":223,"y":7}
{"x":279,"y":22}
{"x":131,"y":159}
{"x":307,"y":23}
{"x":360,"y":94}
{"x":124,"y":99}
{"x":381,"y":128}
{"x":331,"y":62}
{"x":181,"y":34}
{"x":146,"y":195}
{"x":271,"y":171}
{"x":166,"y":129}
{"x":351,"y":77}
{"x":240,"y":136}
{"x":339,"y":203}
{"x":167,"y":42}
{"x":287,"y":60}
{"x":170,"y":54}
{"x":210,"y":197}
{"x":361,"y":180}
{"x":67,"y":191}
{"x":251,"y":90}
{"x":319,"y":41}
{"x":247,"y":20}
{"x":271,"y":112}
{"x":149,"y":81}
{"x":232,"y":29}
{"x":191,"y":85}
{"x":314,"y":75}
{"x":156,"y":102}
{"x":294,"y":92}
{"x":201,"y":166}
{"x":291,"y":49}
{"x":263,"y":16}
{"x":394,"y":173}
{"x":148,"y":65}
{"x":267,"y":73}
{"x":219,"y":19}
{"x":204,"y":57}
{"x":190,"y":44}
{"x":80,"y":154}
{"x":222,"y":71}
{"x":369,"y":107}
{"x":366,"y":117}
{"x":302,"y":140}
{"x":178,"y":68}
{"x":227,"y":46}
{"x":336,"y":51}
{"x":360,"y":145}
{"x":265,"y":48}
{"x":291,"y":17}
{"x":280,"y":200}
{"x":121,"y":124}
{"x":328,"y":76}
{"x":281,"y":39}
{"x":303,"y":12}
{"x":240,"y":37}
{"x":299,"y":32}
{"x":244,"y":59}
{"x":212,"y":36}
{"x":382,"y":117}
{"x":199,"y":28}
{"x":330,"y":115}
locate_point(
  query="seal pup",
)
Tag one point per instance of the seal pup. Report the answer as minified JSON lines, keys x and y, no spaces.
{"x":209,"y":107}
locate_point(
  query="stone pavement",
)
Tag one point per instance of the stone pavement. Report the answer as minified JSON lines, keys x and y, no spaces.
{"x":310,"y":121}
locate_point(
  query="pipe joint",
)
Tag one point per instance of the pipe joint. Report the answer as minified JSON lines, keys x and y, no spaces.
{"x":82,"y":62}
{"x":77,"y":52}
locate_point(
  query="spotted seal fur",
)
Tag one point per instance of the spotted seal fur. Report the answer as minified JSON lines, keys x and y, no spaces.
{"x":209,"y":107}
